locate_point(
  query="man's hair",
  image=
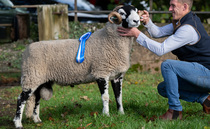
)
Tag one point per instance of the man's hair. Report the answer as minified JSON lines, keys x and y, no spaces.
{"x":189,"y":2}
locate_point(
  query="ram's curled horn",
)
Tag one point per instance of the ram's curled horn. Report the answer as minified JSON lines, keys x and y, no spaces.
{"x":116,"y":8}
{"x":114,"y":17}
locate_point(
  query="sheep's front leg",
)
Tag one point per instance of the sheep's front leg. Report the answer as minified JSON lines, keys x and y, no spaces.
{"x":103,"y":85}
{"x":117,"y":88}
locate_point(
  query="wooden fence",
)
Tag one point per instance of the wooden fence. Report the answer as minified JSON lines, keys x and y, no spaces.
{"x":75,"y":11}
{"x":108,"y":11}
{"x":150,"y":12}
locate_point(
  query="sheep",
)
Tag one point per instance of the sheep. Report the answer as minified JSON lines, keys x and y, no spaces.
{"x":107,"y":58}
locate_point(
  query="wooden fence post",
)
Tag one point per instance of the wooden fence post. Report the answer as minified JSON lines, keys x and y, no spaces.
{"x":23,"y":23}
{"x":75,"y":11}
{"x":150,"y":6}
{"x":53,"y":22}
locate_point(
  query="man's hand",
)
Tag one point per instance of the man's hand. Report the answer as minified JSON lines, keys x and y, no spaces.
{"x":144,"y":16}
{"x":131,"y":32}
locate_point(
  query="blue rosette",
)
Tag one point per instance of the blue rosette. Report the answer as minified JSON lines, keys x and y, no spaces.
{"x":81,"y":51}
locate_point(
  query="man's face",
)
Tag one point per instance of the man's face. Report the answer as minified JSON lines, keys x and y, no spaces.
{"x":177,"y":9}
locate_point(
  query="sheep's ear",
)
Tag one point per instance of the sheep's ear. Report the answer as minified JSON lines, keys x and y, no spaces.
{"x":140,"y":13}
{"x":114,"y":17}
{"x":136,"y":9}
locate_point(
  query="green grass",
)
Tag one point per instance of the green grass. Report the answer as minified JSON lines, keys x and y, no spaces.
{"x":68,"y":108}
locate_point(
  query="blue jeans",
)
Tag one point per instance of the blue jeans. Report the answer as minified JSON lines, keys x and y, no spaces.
{"x":189,"y":81}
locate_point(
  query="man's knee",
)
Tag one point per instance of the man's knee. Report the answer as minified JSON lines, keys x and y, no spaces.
{"x":161,"y":89}
{"x":167,"y":63}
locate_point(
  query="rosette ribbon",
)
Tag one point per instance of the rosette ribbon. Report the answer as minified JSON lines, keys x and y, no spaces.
{"x":81,"y":51}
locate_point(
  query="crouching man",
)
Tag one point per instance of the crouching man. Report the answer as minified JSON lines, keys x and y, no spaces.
{"x":189,"y":77}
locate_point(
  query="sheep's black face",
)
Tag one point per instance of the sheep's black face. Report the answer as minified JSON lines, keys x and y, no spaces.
{"x":130,"y":17}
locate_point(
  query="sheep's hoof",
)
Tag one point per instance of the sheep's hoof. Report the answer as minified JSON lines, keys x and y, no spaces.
{"x":106,"y":114}
{"x":72,"y":85}
{"x":39,"y":122}
{"x":121,"y":113}
{"x":37,"y":119}
{"x":18,"y":124}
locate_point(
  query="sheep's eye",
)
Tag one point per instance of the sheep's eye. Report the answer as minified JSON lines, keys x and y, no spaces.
{"x":121,"y":13}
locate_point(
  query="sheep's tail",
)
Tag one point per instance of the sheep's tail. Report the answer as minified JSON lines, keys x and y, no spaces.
{"x":45,"y":91}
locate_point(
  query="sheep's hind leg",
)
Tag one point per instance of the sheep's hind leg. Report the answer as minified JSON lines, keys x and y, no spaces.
{"x":103,"y":85}
{"x":117,"y":88}
{"x":45,"y":92}
{"x":20,"y":107}
{"x":36,"y":108}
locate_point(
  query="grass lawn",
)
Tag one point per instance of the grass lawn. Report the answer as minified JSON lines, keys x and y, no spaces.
{"x":80,"y":107}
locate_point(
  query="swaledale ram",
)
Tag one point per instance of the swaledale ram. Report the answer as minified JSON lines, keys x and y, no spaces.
{"x":107,"y":58}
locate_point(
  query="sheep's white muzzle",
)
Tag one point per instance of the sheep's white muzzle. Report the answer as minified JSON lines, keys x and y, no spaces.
{"x":133,"y":20}
{"x":134,"y":24}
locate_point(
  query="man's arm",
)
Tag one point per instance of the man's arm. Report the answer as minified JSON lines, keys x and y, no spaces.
{"x":154,"y":30}
{"x":184,"y":35}
{"x":158,"y":32}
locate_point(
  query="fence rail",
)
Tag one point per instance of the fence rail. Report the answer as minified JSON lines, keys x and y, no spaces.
{"x":108,"y":11}
{"x":151,"y":12}
{"x":166,"y":12}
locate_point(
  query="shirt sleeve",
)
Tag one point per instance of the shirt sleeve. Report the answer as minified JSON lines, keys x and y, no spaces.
{"x":157,"y":32}
{"x":186,"y":34}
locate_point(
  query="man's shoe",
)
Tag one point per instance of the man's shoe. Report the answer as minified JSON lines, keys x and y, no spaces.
{"x":171,"y":115}
{"x":206,"y":105}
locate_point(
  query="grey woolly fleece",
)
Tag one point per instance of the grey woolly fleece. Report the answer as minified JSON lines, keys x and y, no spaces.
{"x":106,"y":55}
